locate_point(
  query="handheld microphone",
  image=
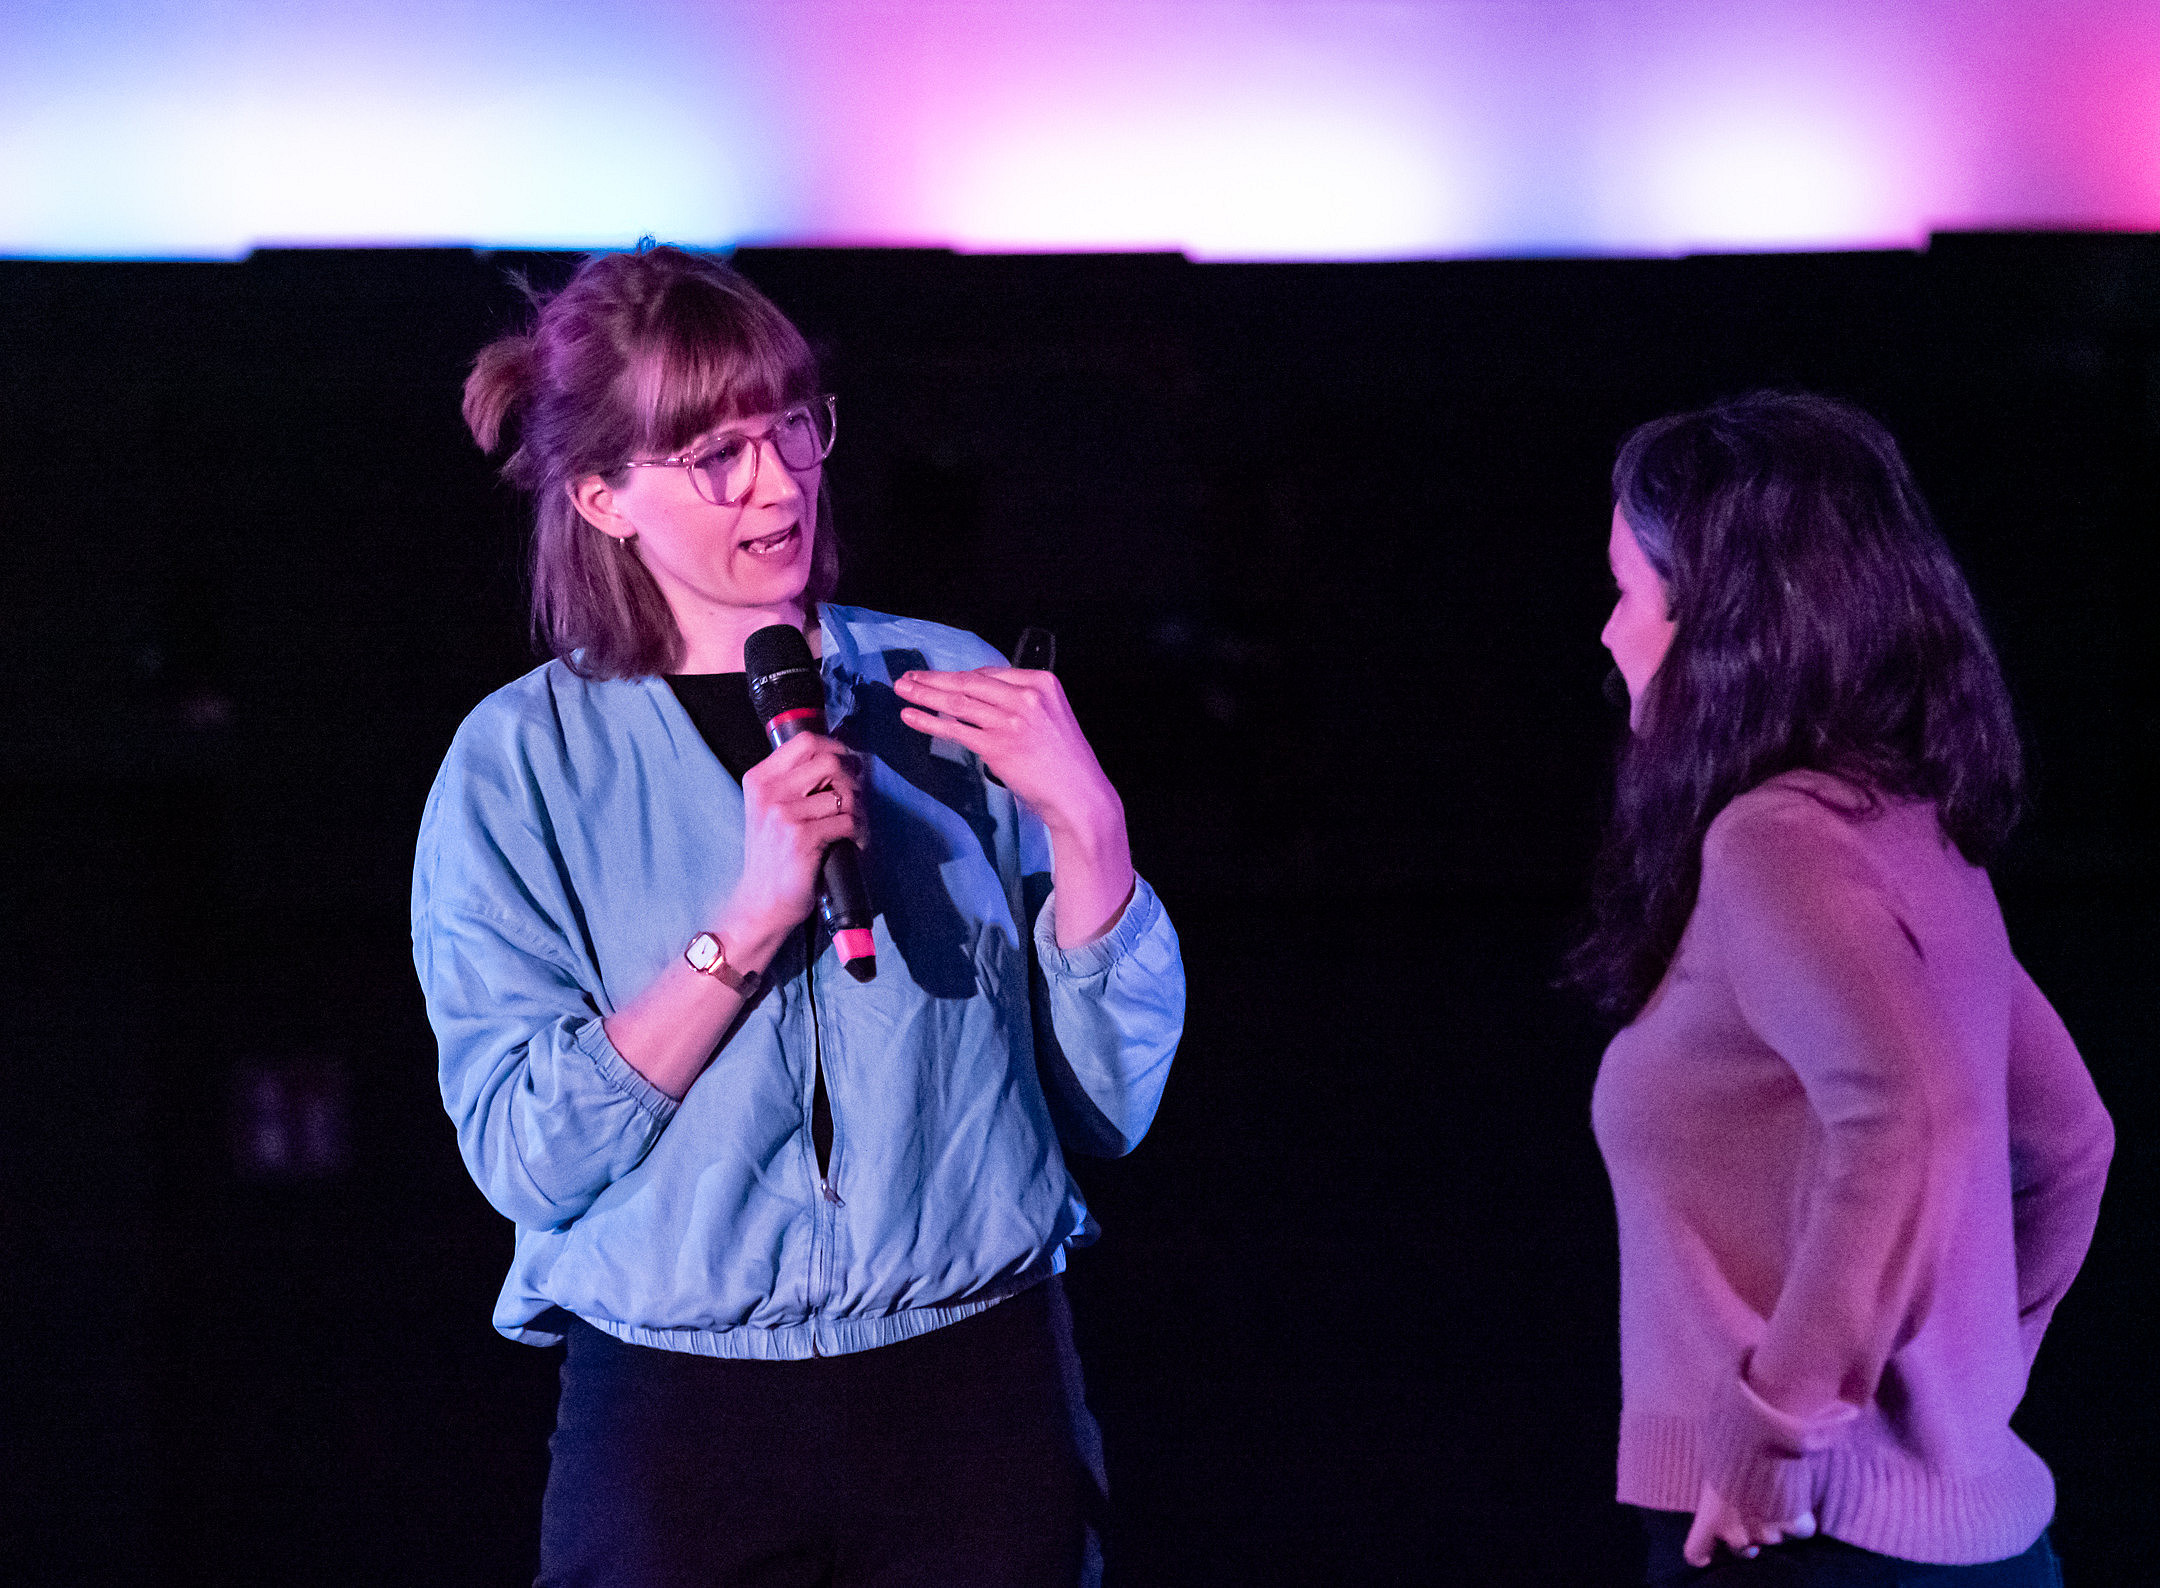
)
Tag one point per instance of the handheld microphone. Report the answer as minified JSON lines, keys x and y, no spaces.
{"x":788,"y":695}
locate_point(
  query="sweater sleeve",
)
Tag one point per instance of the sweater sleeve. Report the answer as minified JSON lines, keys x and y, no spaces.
{"x":1824,"y":971}
{"x":2060,"y":1143}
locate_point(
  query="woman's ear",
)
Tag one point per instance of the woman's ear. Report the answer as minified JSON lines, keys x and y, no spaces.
{"x":595,"y":501}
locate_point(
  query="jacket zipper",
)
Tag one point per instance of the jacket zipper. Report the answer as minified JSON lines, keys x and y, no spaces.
{"x":820,"y":1092}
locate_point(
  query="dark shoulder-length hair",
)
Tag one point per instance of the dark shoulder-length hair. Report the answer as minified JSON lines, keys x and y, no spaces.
{"x":1819,"y":622}
{"x":638,"y":355}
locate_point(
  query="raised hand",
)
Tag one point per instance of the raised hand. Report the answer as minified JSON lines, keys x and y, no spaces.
{"x":1021,"y":725}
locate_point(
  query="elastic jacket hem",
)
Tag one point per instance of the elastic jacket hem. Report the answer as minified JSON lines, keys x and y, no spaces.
{"x":819,"y":1336}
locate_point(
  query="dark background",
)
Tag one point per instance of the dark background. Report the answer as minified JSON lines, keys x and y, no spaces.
{"x":1324,"y":550}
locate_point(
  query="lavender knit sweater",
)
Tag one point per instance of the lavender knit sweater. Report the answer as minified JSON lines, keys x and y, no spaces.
{"x":1847,"y":1134}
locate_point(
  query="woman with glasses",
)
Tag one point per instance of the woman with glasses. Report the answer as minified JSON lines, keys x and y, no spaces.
{"x":1856,"y":1158}
{"x":802,"y":1231}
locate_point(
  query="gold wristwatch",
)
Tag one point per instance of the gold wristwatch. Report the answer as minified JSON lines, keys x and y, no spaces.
{"x":708,"y":957}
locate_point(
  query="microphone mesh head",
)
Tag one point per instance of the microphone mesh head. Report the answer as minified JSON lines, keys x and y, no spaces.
{"x":783,"y":674}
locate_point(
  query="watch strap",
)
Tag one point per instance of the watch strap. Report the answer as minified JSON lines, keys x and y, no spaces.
{"x":743,"y":982}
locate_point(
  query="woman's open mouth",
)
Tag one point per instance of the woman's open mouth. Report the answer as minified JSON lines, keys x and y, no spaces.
{"x":776,"y":544}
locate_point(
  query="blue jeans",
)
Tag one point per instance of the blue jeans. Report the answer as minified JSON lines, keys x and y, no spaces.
{"x":1827,"y":1563}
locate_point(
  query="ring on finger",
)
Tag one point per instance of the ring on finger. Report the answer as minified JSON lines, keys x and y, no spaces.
{"x":839,"y":802}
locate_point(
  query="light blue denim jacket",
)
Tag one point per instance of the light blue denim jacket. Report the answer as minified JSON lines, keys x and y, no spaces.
{"x":572,"y":842}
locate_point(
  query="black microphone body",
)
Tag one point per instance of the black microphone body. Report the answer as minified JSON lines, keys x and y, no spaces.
{"x":788,"y":694}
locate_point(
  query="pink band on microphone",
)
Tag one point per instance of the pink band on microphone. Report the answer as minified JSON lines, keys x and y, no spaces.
{"x":796,"y":715}
{"x":856,"y":942}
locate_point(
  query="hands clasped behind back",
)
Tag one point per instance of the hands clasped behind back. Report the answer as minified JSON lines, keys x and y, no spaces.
{"x":1719,"y":1521}
{"x":797,"y":802}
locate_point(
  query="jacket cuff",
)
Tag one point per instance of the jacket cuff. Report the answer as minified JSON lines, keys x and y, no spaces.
{"x":1141,"y":913}
{"x":617,"y":1071}
{"x":1761,"y":1459}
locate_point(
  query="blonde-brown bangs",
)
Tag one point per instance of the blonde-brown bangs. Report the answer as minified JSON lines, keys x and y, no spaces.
{"x":708,"y":356}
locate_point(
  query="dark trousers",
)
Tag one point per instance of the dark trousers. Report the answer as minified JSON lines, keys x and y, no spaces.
{"x":1827,"y":1563}
{"x":959,"y":1457}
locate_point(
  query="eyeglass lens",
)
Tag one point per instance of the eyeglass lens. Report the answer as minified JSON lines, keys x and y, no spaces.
{"x":802,"y":437}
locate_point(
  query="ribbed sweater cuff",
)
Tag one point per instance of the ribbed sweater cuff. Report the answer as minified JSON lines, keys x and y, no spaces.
{"x":1864,"y":1491}
{"x":1762,"y":1459}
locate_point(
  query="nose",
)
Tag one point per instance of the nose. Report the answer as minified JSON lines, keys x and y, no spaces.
{"x":772,"y":482}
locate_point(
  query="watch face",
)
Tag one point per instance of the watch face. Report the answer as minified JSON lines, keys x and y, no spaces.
{"x":703,"y":952}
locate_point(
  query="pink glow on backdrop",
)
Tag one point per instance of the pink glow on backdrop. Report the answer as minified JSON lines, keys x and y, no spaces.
{"x":1227,"y":128}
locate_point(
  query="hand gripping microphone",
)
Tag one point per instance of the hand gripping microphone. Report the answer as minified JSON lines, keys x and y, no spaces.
{"x":788,"y":695}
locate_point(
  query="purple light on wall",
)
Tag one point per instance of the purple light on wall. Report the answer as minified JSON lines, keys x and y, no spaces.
{"x":1227,"y":128}
{"x":290,"y":1120}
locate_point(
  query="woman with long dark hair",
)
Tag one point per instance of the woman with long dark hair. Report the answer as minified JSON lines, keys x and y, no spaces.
{"x":1856,"y":1158}
{"x":801,"y":1228}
